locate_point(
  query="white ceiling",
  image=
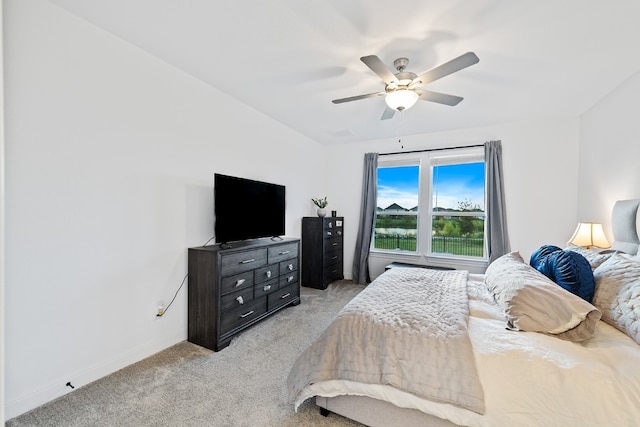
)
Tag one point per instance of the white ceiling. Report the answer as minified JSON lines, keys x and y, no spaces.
{"x":290,"y":58}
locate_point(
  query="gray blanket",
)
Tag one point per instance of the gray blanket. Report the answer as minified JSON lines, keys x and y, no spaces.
{"x":408,"y":330}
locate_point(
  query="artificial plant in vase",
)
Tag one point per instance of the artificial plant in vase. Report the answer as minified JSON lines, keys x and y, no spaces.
{"x":321,"y":204}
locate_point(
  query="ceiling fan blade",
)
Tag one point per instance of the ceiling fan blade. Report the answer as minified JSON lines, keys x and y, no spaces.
{"x":457,"y":64}
{"x":388,"y":113}
{"x":355,"y":98}
{"x":378,"y":67}
{"x":440,"y":98}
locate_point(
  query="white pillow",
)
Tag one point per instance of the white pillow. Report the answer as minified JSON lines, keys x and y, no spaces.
{"x":617,"y":293}
{"x":595,"y":258}
{"x":532,"y":302}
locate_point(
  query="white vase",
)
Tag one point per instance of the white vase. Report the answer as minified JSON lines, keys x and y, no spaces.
{"x":322,"y":212}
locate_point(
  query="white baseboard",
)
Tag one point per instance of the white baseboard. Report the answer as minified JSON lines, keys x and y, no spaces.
{"x":29,"y":401}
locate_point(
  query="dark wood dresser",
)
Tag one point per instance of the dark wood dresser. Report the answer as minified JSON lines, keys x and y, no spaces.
{"x":322,"y":251}
{"x":234,"y":287}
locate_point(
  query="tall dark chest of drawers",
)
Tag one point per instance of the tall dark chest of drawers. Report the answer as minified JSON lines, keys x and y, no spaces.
{"x":232,"y":288}
{"x":322,"y":251}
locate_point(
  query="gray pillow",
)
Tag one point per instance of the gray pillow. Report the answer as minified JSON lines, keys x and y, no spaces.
{"x":618,"y":293}
{"x":532,"y":302}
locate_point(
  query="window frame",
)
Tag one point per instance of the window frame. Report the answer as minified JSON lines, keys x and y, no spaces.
{"x":426,"y":160}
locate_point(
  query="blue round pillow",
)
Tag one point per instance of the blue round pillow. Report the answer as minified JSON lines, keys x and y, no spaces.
{"x":568,"y":269}
{"x":571,"y":271}
{"x":539,"y":257}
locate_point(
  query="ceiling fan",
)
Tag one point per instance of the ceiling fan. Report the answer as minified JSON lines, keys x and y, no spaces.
{"x":403,"y":89}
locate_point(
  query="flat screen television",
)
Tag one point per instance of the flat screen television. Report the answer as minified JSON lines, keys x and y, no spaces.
{"x":247,"y":209}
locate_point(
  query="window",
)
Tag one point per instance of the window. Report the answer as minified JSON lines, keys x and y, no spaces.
{"x":397,"y":210}
{"x":432,"y":204}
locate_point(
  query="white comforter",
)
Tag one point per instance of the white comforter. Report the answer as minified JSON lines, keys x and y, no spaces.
{"x":530,"y":379}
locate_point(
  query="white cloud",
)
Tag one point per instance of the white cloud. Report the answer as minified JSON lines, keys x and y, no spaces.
{"x":449,"y":196}
{"x":453,"y":192}
{"x":389,"y":195}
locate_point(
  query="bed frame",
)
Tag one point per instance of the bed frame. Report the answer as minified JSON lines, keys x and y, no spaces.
{"x":374,"y":412}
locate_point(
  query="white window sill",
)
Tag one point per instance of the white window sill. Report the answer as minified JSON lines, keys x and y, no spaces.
{"x":459,"y":263}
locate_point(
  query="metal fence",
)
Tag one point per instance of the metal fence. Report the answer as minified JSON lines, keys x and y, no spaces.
{"x":395,"y":241}
{"x":463,"y":246}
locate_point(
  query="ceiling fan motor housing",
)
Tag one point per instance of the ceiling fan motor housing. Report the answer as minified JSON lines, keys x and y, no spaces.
{"x":401,"y":63}
{"x":404,"y":80}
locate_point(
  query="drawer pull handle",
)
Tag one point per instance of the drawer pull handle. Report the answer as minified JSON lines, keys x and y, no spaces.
{"x":247,"y":261}
{"x":329,"y":233}
{"x":288,"y":294}
{"x":246,"y":314}
{"x":335,"y":257}
{"x":284,"y":252}
{"x":339,"y":233}
{"x":290,"y":279}
{"x":240,"y":300}
{"x":268,"y":273}
{"x":240,"y":282}
{"x":290,"y":267}
{"x":334,"y":244}
{"x":266,"y":288}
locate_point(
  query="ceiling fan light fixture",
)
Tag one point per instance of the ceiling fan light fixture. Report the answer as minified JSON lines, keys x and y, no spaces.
{"x":401,"y":99}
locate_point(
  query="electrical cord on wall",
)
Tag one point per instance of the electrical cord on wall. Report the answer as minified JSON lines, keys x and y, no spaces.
{"x":161,"y":312}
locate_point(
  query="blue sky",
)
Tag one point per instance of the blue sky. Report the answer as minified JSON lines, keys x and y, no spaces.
{"x":455,"y":184}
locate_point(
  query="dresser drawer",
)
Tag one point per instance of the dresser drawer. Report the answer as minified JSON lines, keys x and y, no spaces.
{"x":269,"y":272}
{"x":288,"y":266}
{"x":331,"y":224}
{"x":282,"y":252}
{"x":333,"y":244}
{"x":283,"y":296}
{"x":332,"y":229}
{"x":241,"y":315}
{"x":234,"y":283}
{"x":332,"y":258}
{"x":236,"y":299}
{"x":333,"y":272}
{"x":288,"y":279}
{"x":265,"y":288}
{"x":329,"y":234}
{"x":239,"y":262}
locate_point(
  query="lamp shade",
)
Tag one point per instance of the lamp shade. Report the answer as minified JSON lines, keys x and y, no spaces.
{"x":590,"y":234}
{"x":401,"y":99}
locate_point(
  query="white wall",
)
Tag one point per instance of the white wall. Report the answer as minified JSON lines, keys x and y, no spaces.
{"x":2,"y":216}
{"x":609,"y":153}
{"x":540,"y":168}
{"x":109,"y":178}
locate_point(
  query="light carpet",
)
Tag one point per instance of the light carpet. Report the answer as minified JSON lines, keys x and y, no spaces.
{"x":188,"y":385}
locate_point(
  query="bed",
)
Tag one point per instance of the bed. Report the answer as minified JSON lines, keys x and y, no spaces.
{"x":517,"y":345}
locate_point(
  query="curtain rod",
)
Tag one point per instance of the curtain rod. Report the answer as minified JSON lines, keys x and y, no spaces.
{"x":431,"y":149}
